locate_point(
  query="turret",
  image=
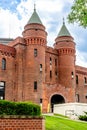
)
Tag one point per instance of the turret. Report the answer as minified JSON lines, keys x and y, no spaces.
{"x":34,"y":31}
{"x":34,"y":35}
{"x":65,"y":45}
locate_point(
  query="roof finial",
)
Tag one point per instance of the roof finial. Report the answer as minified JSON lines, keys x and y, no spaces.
{"x":63,"y":21}
{"x":34,"y":7}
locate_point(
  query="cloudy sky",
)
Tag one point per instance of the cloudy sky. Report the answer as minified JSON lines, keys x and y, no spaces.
{"x":14,"y":14}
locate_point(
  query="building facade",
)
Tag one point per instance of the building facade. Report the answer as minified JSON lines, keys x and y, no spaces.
{"x":32,"y":71}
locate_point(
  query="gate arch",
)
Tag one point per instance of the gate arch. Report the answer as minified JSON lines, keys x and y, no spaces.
{"x":56,"y":99}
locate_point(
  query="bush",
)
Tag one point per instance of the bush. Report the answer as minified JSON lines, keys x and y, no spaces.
{"x":83,"y":117}
{"x":25,"y":108}
{"x":7,"y":108}
{"x":19,"y":108}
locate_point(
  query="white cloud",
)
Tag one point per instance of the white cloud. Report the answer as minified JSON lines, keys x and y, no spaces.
{"x":4,"y":22}
{"x":50,"y":5}
{"x":9,"y":24}
{"x":80,"y":58}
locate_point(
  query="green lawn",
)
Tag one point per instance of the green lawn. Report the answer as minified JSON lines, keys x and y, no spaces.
{"x":60,"y":123}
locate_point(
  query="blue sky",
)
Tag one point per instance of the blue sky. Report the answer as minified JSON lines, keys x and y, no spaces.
{"x":14,"y":14}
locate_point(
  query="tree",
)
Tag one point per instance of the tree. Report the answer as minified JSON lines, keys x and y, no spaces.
{"x":78,"y":13}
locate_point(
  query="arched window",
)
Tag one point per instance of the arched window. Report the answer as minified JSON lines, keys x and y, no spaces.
{"x":3,"y":64}
{"x":2,"y":90}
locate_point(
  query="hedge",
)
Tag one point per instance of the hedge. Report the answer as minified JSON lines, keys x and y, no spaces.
{"x":83,"y":117}
{"x":19,"y":108}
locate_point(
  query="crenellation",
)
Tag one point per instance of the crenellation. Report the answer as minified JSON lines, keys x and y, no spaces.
{"x":6,"y":50}
{"x":38,"y":41}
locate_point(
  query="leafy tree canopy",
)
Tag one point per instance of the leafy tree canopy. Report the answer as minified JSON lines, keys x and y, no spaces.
{"x":78,"y":13}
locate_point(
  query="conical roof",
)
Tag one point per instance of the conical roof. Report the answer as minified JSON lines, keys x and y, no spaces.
{"x":64,"y":31}
{"x":34,"y":18}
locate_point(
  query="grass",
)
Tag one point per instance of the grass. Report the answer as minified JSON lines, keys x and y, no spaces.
{"x":61,"y":115}
{"x":60,"y":123}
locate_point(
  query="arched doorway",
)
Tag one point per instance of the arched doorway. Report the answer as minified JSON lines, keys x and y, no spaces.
{"x":56,"y":99}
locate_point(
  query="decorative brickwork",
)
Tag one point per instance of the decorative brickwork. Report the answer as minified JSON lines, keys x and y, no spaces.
{"x":8,"y":51}
{"x":66,"y":51}
{"x":35,"y":41}
{"x":22,"y":123}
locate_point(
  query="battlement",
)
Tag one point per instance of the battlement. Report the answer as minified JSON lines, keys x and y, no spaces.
{"x":6,"y":50}
{"x":66,"y":51}
{"x":18,"y":40}
{"x":35,"y":40}
{"x":81,"y":70}
{"x":51,"y":50}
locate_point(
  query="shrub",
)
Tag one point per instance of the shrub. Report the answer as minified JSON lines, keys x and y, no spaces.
{"x":19,"y":108}
{"x":7,"y":108}
{"x":83,"y":117}
{"x":25,"y":108}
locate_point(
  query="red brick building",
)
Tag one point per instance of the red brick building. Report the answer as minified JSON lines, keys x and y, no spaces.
{"x":32,"y":71}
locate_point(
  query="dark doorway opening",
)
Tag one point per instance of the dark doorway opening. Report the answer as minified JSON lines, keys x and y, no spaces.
{"x":56,"y":99}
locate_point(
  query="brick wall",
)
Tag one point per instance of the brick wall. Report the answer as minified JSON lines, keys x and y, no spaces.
{"x":81,"y":86}
{"x":22,"y":123}
{"x":50,"y":66}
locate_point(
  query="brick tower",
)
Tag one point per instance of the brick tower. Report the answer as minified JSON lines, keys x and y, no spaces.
{"x":34,"y":35}
{"x":66,"y":61}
